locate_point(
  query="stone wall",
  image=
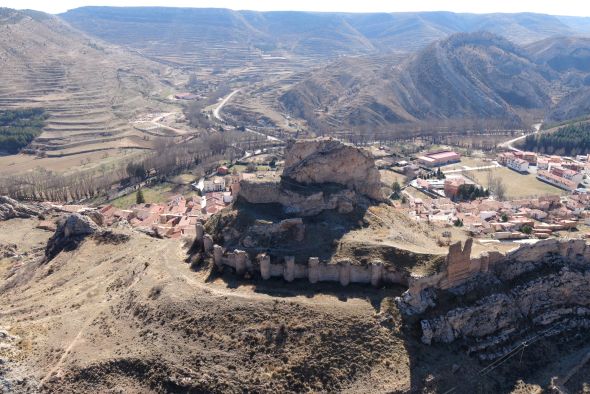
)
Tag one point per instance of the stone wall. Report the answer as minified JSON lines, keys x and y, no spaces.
{"x":313,"y":270}
{"x":257,"y":191}
{"x":461,"y":268}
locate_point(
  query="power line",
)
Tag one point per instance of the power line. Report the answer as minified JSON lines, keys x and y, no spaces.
{"x":521,"y":347}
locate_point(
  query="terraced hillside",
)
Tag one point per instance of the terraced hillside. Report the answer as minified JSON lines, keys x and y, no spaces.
{"x":224,"y":38}
{"x":89,"y":89}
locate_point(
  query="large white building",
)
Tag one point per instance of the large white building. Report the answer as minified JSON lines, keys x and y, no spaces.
{"x":517,"y":164}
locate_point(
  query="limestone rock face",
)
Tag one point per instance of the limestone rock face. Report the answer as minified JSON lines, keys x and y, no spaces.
{"x":266,"y":192}
{"x":538,"y":303}
{"x":71,"y":230}
{"x":326,"y":160}
{"x":10,"y":209}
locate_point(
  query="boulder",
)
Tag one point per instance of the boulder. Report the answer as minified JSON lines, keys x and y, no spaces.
{"x":10,"y":209}
{"x":71,"y":230}
{"x":95,"y":215}
{"x":8,"y":251}
{"x":48,"y":225}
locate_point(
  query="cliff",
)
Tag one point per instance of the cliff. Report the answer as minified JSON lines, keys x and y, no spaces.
{"x":494,"y":304}
{"x":325,"y":160}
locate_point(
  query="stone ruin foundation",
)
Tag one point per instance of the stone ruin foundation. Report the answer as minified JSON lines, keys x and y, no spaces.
{"x":343,"y":272}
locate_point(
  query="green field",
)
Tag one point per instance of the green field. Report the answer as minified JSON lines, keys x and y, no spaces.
{"x":466,"y":162}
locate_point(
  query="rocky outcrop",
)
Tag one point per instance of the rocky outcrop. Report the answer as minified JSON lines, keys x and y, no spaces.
{"x":10,"y":379}
{"x":8,"y":251}
{"x":10,"y":209}
{"x":320,"y":174}
{"x":461,"y":269}
{"x":325,"y":160}
{"x":266,"y":233}
{"x":298,"y":202}
{"x":528,"y":307}
{"x":494,"y":302}
{"x":71,"y":230}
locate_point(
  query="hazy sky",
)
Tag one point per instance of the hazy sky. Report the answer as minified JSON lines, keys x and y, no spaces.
{"x":556,"y":7}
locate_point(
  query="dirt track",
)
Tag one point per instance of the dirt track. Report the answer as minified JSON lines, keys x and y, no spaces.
{"x":135,"y":318}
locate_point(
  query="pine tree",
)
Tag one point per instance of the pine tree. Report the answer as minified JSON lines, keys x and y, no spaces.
{"x":139,"y":198}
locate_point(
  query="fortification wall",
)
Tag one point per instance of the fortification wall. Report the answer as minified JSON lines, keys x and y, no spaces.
{"x":313,"y":270}
{"x":460,"y":267}
{"x":257,"y":191}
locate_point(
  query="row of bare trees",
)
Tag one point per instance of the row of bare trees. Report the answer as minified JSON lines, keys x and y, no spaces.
{"x":437,"y":131}
{"x":167,"y":159}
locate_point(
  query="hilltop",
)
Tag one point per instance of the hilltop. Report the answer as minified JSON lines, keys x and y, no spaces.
{"x":89,"y":89}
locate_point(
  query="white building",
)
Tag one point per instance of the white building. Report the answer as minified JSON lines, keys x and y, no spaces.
{"x":215,"y":184}
{"x":517,"y":164}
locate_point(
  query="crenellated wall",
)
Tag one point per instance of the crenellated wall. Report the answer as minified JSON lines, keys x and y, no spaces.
{"x":458,"y":269}
{"x":313,"y":270}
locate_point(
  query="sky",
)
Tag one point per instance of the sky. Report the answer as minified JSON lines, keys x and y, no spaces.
{"x":554,"y":7}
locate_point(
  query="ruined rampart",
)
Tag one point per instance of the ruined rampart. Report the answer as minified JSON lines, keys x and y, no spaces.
{"x":536,"y":290}
{"x":344,"y":272}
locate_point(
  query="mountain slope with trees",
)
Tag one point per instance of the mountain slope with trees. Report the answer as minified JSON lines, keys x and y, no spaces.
{"x":477,"y":77}
{"x":570,"y":140}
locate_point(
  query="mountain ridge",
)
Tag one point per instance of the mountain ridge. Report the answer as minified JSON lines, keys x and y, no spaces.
{"x":323,"y":35}
{"x":466,"y":76}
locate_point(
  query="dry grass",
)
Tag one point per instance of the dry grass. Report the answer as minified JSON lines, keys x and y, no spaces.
{"x":388,"y":177}
{"x":467,"y":161}
{"x":518,"y":185}
{"x":17,"y":164}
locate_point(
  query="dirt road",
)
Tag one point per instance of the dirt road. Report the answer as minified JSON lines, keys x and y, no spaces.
{"x":217,"y":110}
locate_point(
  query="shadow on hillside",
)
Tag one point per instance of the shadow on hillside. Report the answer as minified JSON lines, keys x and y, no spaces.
{"x":277,"y":287}
{"x":448,"y":368}
{"x":321,"y":239}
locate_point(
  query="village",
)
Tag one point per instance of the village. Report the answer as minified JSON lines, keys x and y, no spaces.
{"x":439,"y":187}
{"x":179,"y":214}
{"x":463,"y":197}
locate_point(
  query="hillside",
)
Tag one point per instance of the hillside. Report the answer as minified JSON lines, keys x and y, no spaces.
{"x":120,"y":311}
{"x":568,"y":61}
{"x":467,"y":76}
{"x":88,"y":89}
{"x":226,"y":38}
{"x":562,"y":53}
